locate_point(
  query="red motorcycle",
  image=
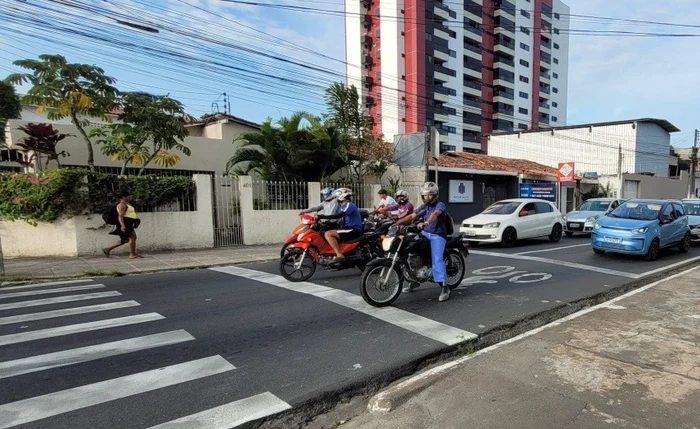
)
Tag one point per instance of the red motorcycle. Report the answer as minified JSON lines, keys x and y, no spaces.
{"x":301,"y":256}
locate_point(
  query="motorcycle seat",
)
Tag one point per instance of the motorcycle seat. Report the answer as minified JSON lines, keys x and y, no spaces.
{"x":454,"y":239}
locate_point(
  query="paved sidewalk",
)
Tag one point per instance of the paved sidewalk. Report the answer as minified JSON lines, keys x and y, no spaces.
{"x":157,"y":261}
{"x":633,"y":363}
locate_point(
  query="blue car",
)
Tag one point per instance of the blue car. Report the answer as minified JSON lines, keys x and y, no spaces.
{"x":643,"y":227}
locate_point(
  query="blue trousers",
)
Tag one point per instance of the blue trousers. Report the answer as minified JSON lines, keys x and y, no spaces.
{"x":437,"y":249}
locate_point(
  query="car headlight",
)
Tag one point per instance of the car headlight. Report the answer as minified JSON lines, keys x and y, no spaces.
{"x":640,"y":230}
{"x":386,"y":243}
{"x":592,"y":219}
{"x":563,"y":217}
{"x":598,"y":226}
{"x":492,"y":225}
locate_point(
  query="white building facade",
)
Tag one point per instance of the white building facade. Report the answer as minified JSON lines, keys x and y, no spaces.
{"x":469,"y":68}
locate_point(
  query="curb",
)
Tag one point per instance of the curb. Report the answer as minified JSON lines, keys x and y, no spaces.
{"x":393,"y":396}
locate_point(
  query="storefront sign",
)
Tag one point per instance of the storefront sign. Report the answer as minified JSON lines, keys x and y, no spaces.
{"x":542,"y":191}
{"x":461,"y":191}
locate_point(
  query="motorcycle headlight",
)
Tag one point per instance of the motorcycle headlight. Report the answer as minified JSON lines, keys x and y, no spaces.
{"x":386,"y":243}
{"x":492,"y":225}
{"x":592,"y":219}
{"x":640,"y":230}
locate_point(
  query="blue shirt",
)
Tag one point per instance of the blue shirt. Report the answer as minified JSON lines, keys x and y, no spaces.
{"x":438,"y":226}
{"x":352,"y":216}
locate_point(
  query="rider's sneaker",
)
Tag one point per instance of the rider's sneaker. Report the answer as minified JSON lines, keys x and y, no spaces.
{"x":444,"y":294}
{"x":410,"y":287}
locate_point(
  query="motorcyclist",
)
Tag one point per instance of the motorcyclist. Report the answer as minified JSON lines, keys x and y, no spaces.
{"x":329,"y":203}
{"x":433,"y":213}
{"x":352,"y":223}
{"x":403,"y":206}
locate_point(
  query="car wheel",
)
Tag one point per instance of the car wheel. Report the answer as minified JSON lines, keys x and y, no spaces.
{"x":555,"y":236}
{"x":653,"y":252}
{"x":510,"y":236}
{"x":569,"y":233}
{"x":684,"y":246}
{"x":599,"y":252}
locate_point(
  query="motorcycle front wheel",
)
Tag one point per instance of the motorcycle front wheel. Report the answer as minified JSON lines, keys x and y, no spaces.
{"x":456,"y":268}
{"x":297,"y":267}
{"x":381,"y":285}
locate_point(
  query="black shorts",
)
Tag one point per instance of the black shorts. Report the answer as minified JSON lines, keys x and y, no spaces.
{"x":349,"y":234}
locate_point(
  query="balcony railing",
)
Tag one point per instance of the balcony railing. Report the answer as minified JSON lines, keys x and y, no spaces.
{"x":445,"y":70}
{"x":475,"y":30}
{"x":445,"y":129}
{"x":473,"y":7}
{"x":473,"y":64}
{"x":447,"y":148}
{"x":504,"y":94}
{"x":474,"y":102}
{"x":445,"y":110}
{"x":472,"y":84}
{"x":441,"y":6}
{"x":473,"y":48}
{"x":471,"y":138}
{"x":445,"y":91}
{"x":504,"y":61}
{"x":544,"y":105}
{"x":508,"y":43}
{"x":545,"y":90}
{"x":545,"y":75}
{"x":506,"y":6}
{"x":546,"y":44}
{"x":444,"y":29}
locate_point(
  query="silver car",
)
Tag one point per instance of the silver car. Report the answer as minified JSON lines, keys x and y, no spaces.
{"x":583,"y":219}
{"x":692,"y":209}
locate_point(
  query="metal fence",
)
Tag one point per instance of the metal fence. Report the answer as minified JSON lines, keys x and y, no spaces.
{"x":273,"y":195}
{"x":363,"y":193}
{"x":185,"y":201}
{"x":132,"y":171}
{"x":228,"y":225}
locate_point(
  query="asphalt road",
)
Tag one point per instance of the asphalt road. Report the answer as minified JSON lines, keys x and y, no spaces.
{"x":229,"y":345}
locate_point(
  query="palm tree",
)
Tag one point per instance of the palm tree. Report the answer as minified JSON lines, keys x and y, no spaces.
{"x":68,"y":91}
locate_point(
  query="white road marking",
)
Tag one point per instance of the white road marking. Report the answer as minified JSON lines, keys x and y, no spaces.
{"x":77,"y":328}
{"x":62,"y":282}
{"x":669,"y":267}
{"x":614,"y":307}
{"x":554,"y":249}
{"x":230,"y":415}
{"x":67,"y":312}
{"x":41,"y":407}
{"x":376,"y":401}
{"x":85,"y":354}
{"x":557,"y":262}
{"x":420,"y":325}
{"x":48,"y":291}
{"x":59,"y":299}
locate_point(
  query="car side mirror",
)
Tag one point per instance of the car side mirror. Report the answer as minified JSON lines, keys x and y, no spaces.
{"x":524,"y":213}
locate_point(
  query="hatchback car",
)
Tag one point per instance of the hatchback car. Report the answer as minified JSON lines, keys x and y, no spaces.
{"x":692,"y":209}
{"x":508,"y":221}
{"x":582,"y":219}
{"x":642,"y":227}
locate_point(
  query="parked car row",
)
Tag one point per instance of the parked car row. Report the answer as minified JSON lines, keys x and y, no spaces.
{"x":634,"y":227}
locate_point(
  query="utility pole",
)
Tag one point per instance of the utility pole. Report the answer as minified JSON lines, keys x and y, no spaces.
{"x":693,"y":166}
{"x":426,"y":153}
{"x":619,"y":172}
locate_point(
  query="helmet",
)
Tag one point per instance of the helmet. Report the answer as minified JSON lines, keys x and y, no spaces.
{"x":343,"y":194}
{"x":430,"y":188}
{"x":401,"y":196}
{"x":327,"y":192}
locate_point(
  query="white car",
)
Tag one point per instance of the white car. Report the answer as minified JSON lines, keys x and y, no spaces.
{"x":692,"y":209}
{"x":508,"y":221}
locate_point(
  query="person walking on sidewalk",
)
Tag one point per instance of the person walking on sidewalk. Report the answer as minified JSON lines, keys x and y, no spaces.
{"x":125,"y":227}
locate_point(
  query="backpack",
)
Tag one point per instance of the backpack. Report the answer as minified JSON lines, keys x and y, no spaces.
{"x":449,"y":224}
{"x":110,"y":215}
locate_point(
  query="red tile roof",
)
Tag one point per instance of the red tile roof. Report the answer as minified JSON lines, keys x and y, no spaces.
{"x":473,"y":161}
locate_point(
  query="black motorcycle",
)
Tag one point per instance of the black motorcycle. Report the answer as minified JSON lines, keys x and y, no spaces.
{"x":408,"y":259}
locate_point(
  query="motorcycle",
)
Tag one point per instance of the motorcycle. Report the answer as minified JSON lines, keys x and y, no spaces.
{"x":301,"y":257}
{"x":408,"y":259}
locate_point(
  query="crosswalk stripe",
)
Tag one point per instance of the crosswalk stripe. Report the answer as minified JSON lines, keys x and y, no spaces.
{"x":77,"y":328}
{"x":59,"y":299}
{"x":404,"y":319}
{"x":52,"y":404}
{"x":230,"y":415}
{"x":49,"y":291}
{"x":67,"y":312}
{"x":85,"y":354}
{"x":33,"y":285}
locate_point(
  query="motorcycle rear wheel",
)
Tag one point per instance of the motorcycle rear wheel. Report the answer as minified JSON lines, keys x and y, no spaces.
{"x":455,"y":260}
{"x":373,"y":289}
{"x":305,"y":271}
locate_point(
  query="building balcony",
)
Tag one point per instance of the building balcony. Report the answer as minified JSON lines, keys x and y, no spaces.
{"x":544,"y":105}
{"x":545,"y":75}
{"x":367,"y":41}
{"x":368,"y":80}
{"x":473,"y":102}
{"x":444,"y":12}
{"x":545,"y":90}
{"x":444,"y":70}
{"x":447,"y":148}
{"x":445,"y":91}
{"x":476,"y":49}
{"x":505,"y":7}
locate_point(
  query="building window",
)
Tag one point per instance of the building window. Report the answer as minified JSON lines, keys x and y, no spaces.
{"x":524,"y":13}
{"x":524,"y":79}
{"x":524,"y":94}
{"x":556,"y":15}
{"x":428,"y":37}
{"x":524,"y":46}
{"x":554,"y":90}
{"x":556,"y":76}
{"x":555,"y":104}
{"x":524,"y":30}
{"x":556,"y":31}
{"x":453,"y":54}
{"x":556,"y":46}
{"x":523,"y":110}
{"x":429,"y":122}
{"x":556,"y":61}
{"x":522,"y":126}
{"x":554,"y":118}
{"x":524,"y":63}
{"x":430,"y":59}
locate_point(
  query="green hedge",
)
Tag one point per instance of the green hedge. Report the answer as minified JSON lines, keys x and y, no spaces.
{"x":70,"y":192}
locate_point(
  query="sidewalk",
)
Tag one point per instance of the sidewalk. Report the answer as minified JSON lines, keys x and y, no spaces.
{"x":121,"y":264}
{"x":632,"y":363}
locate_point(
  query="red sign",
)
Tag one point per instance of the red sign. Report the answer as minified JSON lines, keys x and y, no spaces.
{"x":565,"y":172}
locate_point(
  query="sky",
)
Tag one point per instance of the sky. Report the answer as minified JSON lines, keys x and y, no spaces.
{"x":272,"y":61}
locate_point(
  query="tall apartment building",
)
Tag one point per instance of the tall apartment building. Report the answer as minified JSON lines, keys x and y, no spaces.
{"x":468,"y":67}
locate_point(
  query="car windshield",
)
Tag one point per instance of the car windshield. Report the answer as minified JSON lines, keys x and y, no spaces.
{"x":594,"y":206}
{"x":639,"y":211}
{"x":692,"y":209}
{"x":503,"y":208}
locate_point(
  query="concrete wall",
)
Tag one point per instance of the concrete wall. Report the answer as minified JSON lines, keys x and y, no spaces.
{"x":87,"y":235}
{"x":647,"y":186}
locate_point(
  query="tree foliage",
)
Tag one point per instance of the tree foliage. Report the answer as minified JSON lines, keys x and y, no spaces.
{"x":10,"y":107}
{"x":67,"y":90}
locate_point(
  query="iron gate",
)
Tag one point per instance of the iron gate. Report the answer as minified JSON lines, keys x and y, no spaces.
{"x":228,"y":225}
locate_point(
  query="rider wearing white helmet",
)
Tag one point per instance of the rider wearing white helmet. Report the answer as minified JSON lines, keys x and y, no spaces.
{"x":352,"y":222}
{"x":329,"y":203}
{"x":433,"y":212}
